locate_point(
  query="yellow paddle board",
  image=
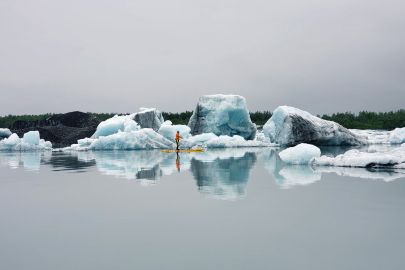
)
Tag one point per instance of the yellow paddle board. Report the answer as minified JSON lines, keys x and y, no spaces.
{"x":183,"y":150}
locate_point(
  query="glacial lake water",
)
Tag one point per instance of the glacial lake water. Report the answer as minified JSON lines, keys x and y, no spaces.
{"x":222,"y":209}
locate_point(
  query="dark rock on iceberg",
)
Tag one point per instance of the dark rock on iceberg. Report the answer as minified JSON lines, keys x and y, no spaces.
{"x":290,"y":126}
{"x":149,"y":118}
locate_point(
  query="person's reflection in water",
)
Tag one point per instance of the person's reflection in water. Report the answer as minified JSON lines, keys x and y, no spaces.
{"x":178,"y":162}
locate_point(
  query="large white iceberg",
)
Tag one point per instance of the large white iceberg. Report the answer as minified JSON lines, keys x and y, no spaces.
{"x":301,"y":154}
{"x":291,"y":126}
{"x":145,"y":138}
{"x":394,"y":158}
{"x":397,"y":136}
{"x":4,"y":133}
{"x":30,"y":142}
{"x":222,"y":115}
{"x":145,"y":118}
{"x":115,"y":124}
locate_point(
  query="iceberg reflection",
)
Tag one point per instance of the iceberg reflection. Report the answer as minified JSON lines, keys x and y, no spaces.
{"x":69,"y":162}
{"x":222,"y":176}
{"x":30,"y":161}
{"x":141,"y":165}
{"x":386,"y":175}
{"x":219,"y":173}
{"x":288,"y":176}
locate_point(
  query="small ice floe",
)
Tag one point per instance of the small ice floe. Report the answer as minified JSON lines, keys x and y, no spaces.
{"x":29,"y":142}
{"x":301,"y":154}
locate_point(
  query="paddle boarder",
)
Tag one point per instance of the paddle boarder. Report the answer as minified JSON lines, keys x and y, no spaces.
{"x":178,"y":137}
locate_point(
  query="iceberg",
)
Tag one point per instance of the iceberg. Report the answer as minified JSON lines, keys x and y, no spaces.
{"x":373,"y":136}
{"x":123,"y":133}
{"x":4,"y":133}
{"x":30,"y":142}
{"x":149,"y":118}
{"x":222,"y":115}
{"x":31,"y":137}
{"x":210,"y":140}
{"x":168,"y":130}
{"x":301,"y":154}
{"x":141,"y":139}
{"x":115,"y":124}
{"x":145,"y":118}
{"x":291,"y":126}
{"x":394,"y":158}
{"x":397,"y":136}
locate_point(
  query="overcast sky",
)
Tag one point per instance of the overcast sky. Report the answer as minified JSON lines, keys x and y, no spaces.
{"x":116,"y":56}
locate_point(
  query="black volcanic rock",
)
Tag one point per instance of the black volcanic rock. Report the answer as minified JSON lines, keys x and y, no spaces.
{"x":60,"y":129}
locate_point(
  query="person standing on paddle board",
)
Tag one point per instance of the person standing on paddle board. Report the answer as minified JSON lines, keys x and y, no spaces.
{"x":178,"y":137}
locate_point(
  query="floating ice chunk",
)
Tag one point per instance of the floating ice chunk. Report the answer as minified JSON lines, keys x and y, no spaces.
{"x":30,"y":142}
{"x":201,"y":140}
{"x":356,"y":158}
{"x":82,"y":145}
{"x":115,"y":124}
{"x":210,"y":140}
{"x":85,"y":142}
{"x":168,"y":130}
{"x":373,"y":136}
{"x":4,"y":133}
{"x":31,"y":137}
{"x":149,"y":139}
{"x":397,"y":136}
{"x":145,"y":138}
{"x":291,"y":126}
{"x":10,"y":143}
{"x":300,"y":155}
{"x":222,"y":115}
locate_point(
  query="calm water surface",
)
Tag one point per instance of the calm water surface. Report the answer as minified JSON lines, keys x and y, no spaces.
{"x":228,"y":209}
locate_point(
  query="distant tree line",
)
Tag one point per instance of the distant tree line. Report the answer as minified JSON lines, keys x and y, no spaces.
{"x":369,"y":120}
{"x":8,"y":120}
{"x":362,"y":120}
{"x":178,"y":118}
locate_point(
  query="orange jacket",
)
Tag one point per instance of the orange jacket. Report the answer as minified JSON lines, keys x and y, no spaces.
{"x":178,"y":137}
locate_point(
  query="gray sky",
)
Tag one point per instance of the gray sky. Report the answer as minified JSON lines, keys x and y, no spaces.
{"x":116,"y":56}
